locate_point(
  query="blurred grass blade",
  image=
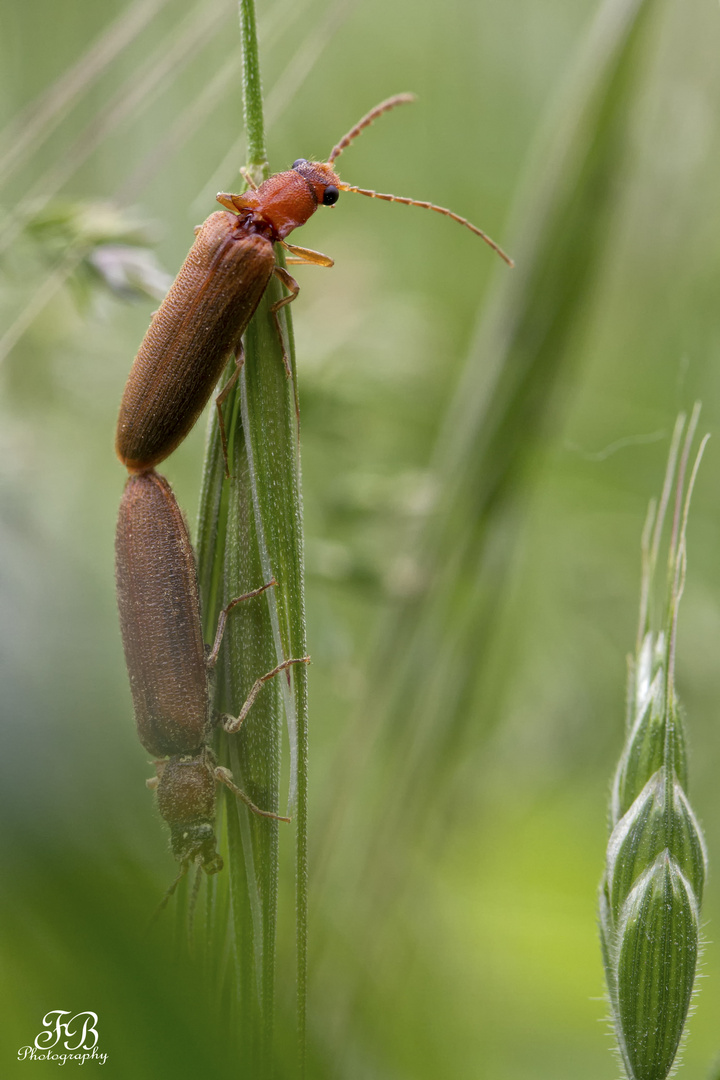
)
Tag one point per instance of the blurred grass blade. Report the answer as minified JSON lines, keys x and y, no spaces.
{"x":28,"y":130}
{"x":428,"y":674}
{"x":198,"y":28}
{"x":306,"y":57}
{"x":58,"y":277}
{"x":514,"y":384}
{"x":250,"y":530}
{"x":189,"y":120}
{"x":429,"y":667}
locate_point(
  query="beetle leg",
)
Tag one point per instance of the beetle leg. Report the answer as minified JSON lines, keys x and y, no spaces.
{"x":164,"y":902}
{"x":292,"y":286}
{"x":245,"y":173}
{"x":290,"y":283}
{"x":220,"y":401}
{"x":225,"y":777}
{"x":307,"y":257}
{"x":230,"y":202}
{"x":232,"y":724}
{"x":222,"y":620}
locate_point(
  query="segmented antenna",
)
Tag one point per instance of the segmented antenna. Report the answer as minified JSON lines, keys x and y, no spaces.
{"x":430,"y":206}
{"x":194,"y":899}
{"x":164,"y":902}
{"x":383,"y":107}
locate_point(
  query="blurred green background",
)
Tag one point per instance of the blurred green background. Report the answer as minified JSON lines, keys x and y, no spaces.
{"x":453,"y":869}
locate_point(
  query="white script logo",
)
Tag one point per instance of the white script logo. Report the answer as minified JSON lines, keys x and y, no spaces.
{"x":77,"y":1035}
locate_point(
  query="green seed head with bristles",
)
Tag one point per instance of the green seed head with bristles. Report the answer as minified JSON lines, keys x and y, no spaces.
{"x":656,"y":860}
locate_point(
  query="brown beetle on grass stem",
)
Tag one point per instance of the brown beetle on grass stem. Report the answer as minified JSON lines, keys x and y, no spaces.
{"x":170,"y":667}
{"x":210,"y":303}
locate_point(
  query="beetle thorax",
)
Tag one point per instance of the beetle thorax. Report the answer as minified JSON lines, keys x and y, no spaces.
{"x":288,"y":199}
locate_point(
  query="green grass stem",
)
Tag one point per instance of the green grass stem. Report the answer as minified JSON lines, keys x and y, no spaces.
{"x":250,"y":531}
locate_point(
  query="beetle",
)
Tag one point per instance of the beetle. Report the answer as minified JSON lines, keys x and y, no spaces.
{"x":215,"y":294}
{"x":170,"y":668}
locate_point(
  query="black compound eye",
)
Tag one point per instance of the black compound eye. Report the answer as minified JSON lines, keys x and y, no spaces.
{"x":300,"y":161}
{"x":330,"y":195}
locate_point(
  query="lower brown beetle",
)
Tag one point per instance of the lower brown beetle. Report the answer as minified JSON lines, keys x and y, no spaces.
{"x":170,"y":668}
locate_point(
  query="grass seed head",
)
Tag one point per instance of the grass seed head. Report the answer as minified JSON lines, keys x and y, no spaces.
{"x":656,"y":859}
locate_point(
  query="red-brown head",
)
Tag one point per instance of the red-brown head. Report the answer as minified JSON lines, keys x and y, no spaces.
{"x":286,"y":201}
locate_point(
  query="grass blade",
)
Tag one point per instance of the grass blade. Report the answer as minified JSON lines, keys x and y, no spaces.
{"x":428,"y":676}
{"x":433,"y":644}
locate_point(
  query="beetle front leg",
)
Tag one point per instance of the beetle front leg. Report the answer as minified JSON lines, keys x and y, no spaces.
{"x":306,"y":256}
{"x":230,"y":202}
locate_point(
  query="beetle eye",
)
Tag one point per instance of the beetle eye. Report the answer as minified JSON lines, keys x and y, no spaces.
{"x":300,"y":161}
{"x":331,"y":195}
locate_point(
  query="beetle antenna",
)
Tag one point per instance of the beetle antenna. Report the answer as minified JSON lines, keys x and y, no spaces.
{"x":192,"y":908}
{"x":438,"y":210}
{"x":383,"y":107}
{"x":164,"y":902}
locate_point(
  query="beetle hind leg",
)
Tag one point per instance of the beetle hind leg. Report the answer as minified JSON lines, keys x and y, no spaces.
{"x":225,"y":777}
